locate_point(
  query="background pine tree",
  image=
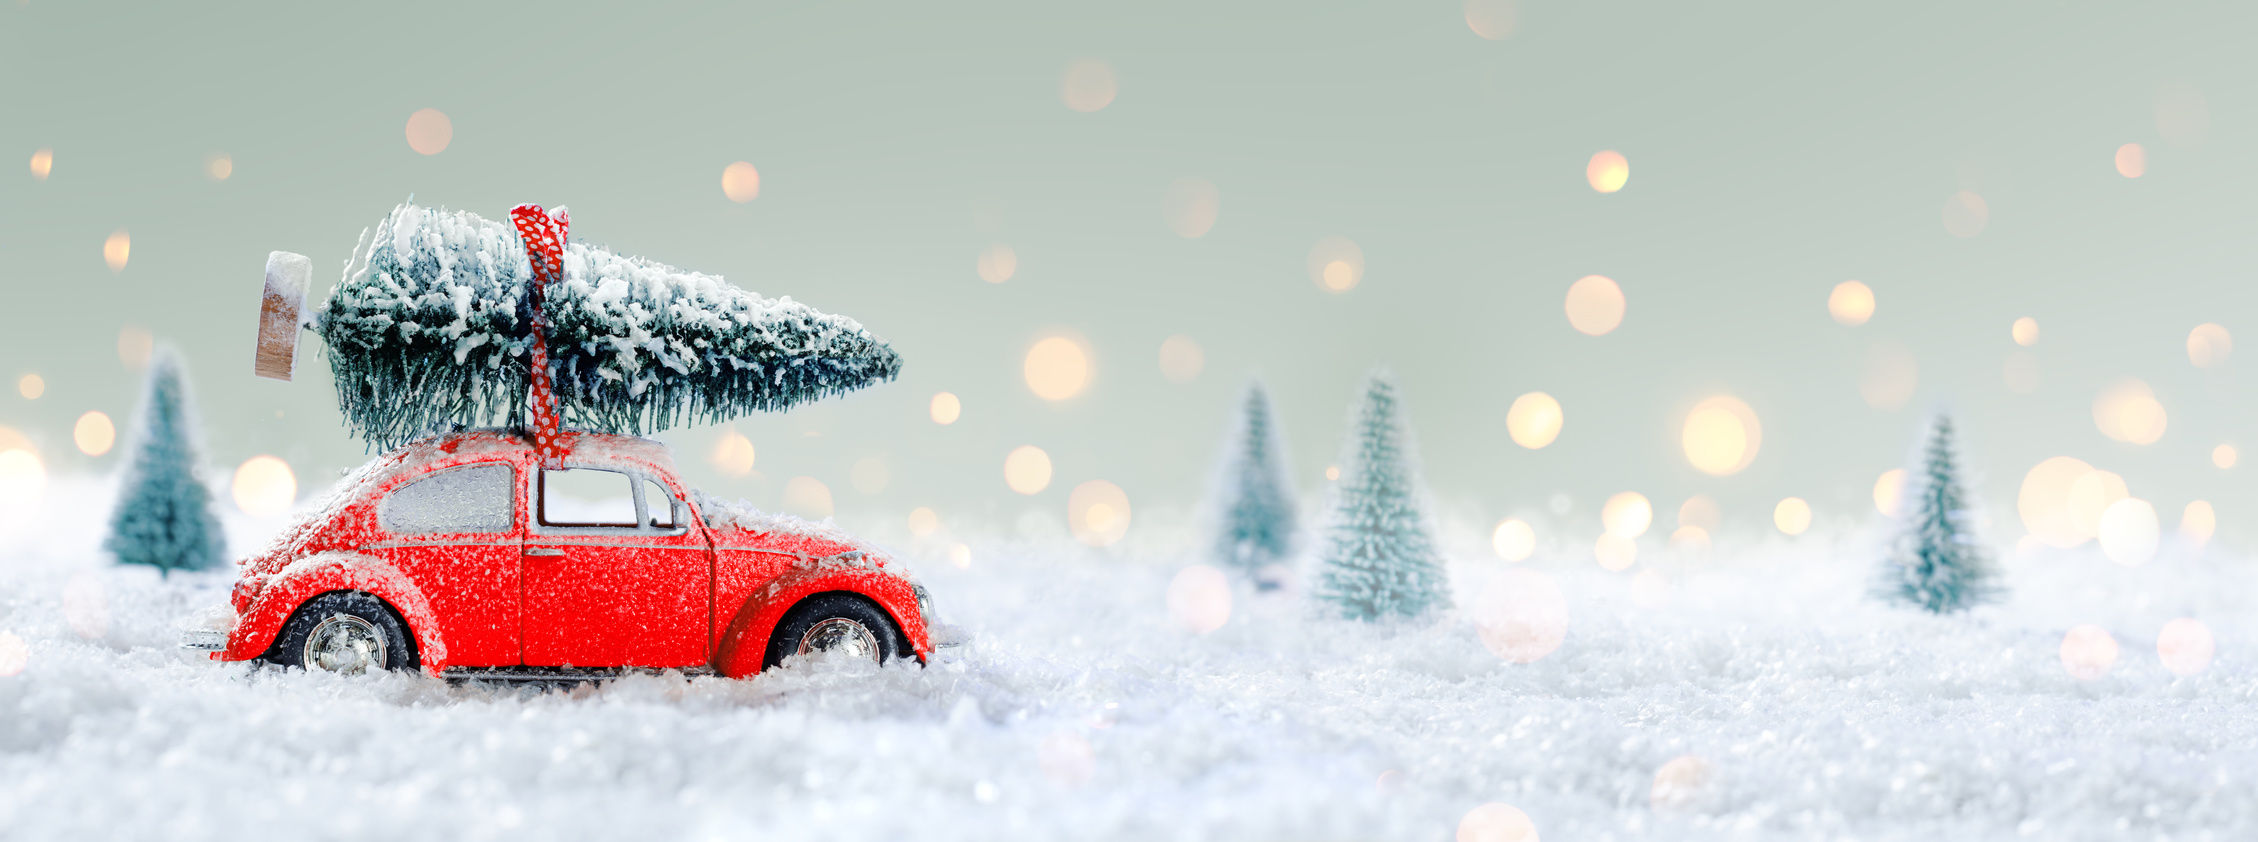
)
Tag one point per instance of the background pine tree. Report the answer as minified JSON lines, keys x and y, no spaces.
{"x":1380,"y":559}
{"x":164,"y":514}
{"x":1935,"y":562}
{"x":1258,"y":520}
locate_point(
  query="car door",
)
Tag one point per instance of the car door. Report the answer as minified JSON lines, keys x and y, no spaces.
{"x":612,"y":578}
{"x":455,"y":533}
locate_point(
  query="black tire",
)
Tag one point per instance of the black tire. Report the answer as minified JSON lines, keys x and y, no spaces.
{"x":835,"y":605}
{"x":289,"y":649}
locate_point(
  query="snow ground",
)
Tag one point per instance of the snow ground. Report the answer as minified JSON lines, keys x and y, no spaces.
{"x":1081,"y":712}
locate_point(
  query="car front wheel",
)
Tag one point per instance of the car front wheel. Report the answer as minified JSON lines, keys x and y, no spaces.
{"x":345,"y":632}
{"x":834,"y":622}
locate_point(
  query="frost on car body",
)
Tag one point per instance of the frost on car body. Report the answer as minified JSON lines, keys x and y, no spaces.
{"x":488,"y":563}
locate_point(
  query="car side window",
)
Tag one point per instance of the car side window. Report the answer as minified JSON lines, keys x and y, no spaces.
{"x":587,"y":497}
{"x":659,"y":504}
{"x":477,"y":498}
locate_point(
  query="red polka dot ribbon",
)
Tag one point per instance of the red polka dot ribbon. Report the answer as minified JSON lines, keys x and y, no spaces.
{"x":544,"y":236}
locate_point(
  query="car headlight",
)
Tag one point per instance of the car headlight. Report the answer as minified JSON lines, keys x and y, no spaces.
{"x":924,"y":602}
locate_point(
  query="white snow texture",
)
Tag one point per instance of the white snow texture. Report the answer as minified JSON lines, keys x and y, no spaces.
{"x":1080,"y":712}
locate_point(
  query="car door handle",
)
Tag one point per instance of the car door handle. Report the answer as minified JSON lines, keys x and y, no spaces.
{"x":543,"y":551}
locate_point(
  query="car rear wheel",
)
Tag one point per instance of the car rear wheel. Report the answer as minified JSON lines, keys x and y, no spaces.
{"x":835,"y":622}
{"x":345,"y":632}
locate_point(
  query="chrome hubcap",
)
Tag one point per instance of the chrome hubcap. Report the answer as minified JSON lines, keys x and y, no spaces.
{"x":840,"y":634}
{"x":346,"y":645}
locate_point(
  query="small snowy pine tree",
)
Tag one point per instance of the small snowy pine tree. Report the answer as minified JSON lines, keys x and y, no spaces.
{"x":1258,"y":522}
{"x":1380,"y":559}
{"x":164,"y":515}
{"x":1935,"y":563}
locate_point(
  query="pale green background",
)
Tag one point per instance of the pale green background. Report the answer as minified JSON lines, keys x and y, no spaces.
{"x":1775,"y":151}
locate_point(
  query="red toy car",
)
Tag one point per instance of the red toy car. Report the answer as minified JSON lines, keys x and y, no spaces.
{"x":460,"y":555}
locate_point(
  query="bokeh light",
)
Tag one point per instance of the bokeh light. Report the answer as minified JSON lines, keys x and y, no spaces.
{"x":429,"y":131}
{"x":2024,"y":331}
{"x":1595,"y":305}
{"x":2186,"y":646}
{"x":264,"y":486}
{"x":733,"y":454}
{"x":1615,"y":552}
{"x":134,"y":347}
{"x":2224,"y":456}
{"x":1491,"y":19}
{"x":1190,"y":206}
{"x":2088,"y":652}
{"x":741,"y":182}
{"x":1852,"y":303}
{"x":2129,"y":532}
{"x":945,"y":409}
{"x":1027,"y":469}
{"x":2021,"y":372}
{"x":1607,"y":171}
{"x":2090,"y":496}
{"x":923,"y":521}
{"x":1889,"y":491}
{"x":1181,"y":359}
{"x":1534,"y":420}
{"x":94,"y":434}
{"x":1721,"y":435}
{"x":219,"y":167}
{"x":1494,"y":822}
{"x":31,"y":386}
{"x":2127,"y":410}
{"x":2198,"y":522}
{"x":1691,"y":542}
{"x":960,"y":555}
{"x":807,"y":497}
{"x":2132,"y":160}
{"x":1701,"y":510}
{"x":1965,"y":214}
{"x":2043,"y":503}
{"x":2182,"y":115}
{"x":1066,"y":759}
{"x":1056,"y":368}
{"x":1681,"y":784}
{"x":2208,"y":345}
{"x":1332,"y":473}
{"x":15,"y":654}
{"x":117,"y":250}
{"x":869,"y":475}
{"x":1097,"y":512}
{"x":1513,"y":539}
{"x":1521,"y":615}
{"x":1792,"y":516}
{"x":1336,"y":264}
{"x":86,"y":606}
{"x":42,"y":163}
{"x":22,"y":479}
{"x":1088,"y":85}
{"x":1889,"y":375}
{"x":996,"y":263}
{"x":1199,"y":599}
{"x":1627,"y":514}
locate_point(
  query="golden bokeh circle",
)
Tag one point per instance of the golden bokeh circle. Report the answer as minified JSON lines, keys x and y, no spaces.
{"x":1851,"y":303}
{"x":429,"y":131}
{"x":1056,"y":368}
{"x":741,"y":182}
{"x":1595,"y":305}
{"x":1721,"y":435}
{"x":1027,"y":469}
{"x":1607,"y":171}
{"x":1534,"y":420}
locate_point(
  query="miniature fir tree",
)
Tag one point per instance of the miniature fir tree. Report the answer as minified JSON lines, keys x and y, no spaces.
{"x":1935,"y":563}
{"x":1258,"y":522}
{"x":164,"y":515}
{"x":1380,"y":560}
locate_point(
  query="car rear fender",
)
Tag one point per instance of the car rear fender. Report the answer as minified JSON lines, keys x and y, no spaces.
{"x":317,"y":574}
{"x":745,"y":644}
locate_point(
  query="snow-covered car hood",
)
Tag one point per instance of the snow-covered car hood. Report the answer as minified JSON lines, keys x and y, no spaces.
{"x":736,"y":523}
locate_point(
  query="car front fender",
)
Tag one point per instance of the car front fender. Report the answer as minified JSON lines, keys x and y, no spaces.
{"x":321,"y":573}
{"x":745,"y":644}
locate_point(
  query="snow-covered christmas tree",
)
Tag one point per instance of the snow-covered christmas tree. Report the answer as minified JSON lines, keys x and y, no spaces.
{"x":1258,"y":524}
{"x":164,"y":513}
{"x":1380,"y":560}
{"x":1935,"y":562}
{"x":436,"y":329}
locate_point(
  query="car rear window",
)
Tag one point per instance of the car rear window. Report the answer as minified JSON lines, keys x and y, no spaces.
{"x":470,"y":499}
